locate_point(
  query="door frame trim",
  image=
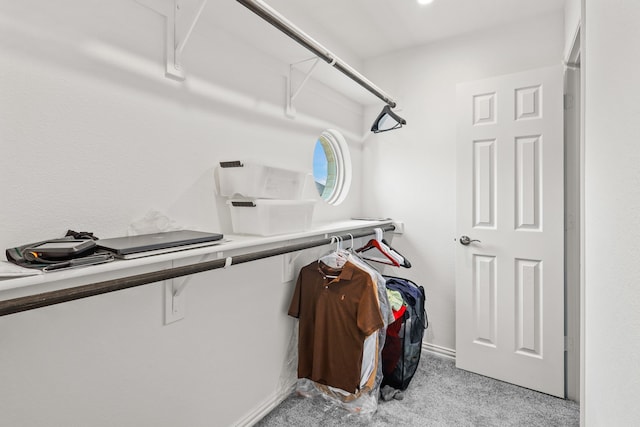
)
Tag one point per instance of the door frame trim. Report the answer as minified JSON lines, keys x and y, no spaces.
{"x":573,"y":174}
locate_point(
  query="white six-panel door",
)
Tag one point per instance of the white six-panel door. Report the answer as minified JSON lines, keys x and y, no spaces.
{"x":510,"y":284}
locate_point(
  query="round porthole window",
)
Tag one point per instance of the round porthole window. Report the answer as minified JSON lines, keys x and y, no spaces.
{"x":332,"y":167}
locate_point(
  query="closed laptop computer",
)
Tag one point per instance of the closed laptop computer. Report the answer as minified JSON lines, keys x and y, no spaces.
{"x":156,"y":243}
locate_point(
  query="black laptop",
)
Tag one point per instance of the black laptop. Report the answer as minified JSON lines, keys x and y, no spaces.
{"x":158,"y":243}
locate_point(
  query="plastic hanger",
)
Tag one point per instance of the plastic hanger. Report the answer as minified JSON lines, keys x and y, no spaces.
{"x":375,"y":244}
{"x":399,"y":257}
{"x":350,"y":249}
{"x":392,"y":256}
{"x":336,"y":258}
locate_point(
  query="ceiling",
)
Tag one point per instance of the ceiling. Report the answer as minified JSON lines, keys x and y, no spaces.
{"x":376,"y":27}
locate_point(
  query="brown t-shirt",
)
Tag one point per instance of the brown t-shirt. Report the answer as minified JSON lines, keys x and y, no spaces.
{"x":336,"y":315}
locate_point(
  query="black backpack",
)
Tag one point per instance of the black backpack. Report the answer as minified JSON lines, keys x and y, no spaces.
{"x":403,"y":344}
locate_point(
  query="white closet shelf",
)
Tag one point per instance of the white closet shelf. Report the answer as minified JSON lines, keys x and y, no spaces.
{"x":27,"y":293}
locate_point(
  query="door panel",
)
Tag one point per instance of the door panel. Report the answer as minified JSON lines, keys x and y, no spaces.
{"x":484,"y":294}
{"x":484,"y":183}
{"x":527,"y":169}
{"x":510,"y":283}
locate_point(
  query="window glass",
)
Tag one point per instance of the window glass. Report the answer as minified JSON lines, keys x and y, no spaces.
{"x":332,"y":167}
{"x":320,"y":167}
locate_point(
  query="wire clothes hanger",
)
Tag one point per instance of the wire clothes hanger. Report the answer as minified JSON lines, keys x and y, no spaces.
{"x":392,"y":257}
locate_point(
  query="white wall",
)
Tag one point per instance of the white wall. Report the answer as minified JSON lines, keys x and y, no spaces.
{"x":612,"y":223}
{"x":410,"y":174}
{"x":92,"y":136}
{"x":110,"y":361}
{"x":571,"y":23}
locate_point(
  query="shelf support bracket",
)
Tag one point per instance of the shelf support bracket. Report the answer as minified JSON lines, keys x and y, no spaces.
{"x":179,"y":25}
{"x":175,"y":299}
{"x":290,"y":110}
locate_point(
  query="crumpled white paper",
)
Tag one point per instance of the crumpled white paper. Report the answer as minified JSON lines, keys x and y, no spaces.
{"x":153,"y":222}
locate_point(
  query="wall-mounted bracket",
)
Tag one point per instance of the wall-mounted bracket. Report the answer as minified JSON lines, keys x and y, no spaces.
{"x":179,"y":22}
{"x":175,"y":299}
{"x":270,"y":15}
{"x":290,"y":110}
{"x":399,"y":225}
{"x":288,"y":266}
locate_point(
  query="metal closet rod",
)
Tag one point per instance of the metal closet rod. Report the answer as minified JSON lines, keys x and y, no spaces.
{"x":283,"y":24}
{"x":31,"y":302}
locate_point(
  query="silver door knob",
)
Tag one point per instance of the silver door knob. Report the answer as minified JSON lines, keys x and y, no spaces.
{"x":465,"y":240}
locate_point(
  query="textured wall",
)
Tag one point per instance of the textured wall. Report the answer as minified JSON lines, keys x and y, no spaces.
{"x":612,"y":223}
{"x":571,"y":23}
{"x":93,"y":136}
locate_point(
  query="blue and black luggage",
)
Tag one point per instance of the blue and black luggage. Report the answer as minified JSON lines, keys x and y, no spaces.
{"x":403,"y":344}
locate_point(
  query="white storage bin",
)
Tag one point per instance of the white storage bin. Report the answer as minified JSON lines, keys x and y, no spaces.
{"x":266,"y":217}
{"x":259,"y":181}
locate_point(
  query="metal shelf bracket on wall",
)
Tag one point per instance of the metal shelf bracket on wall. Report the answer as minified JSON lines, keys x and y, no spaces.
{"x":179,"y":22}
{"x":175,"y":297}
{"x":272,"y":17}
{"x":290,"y":110}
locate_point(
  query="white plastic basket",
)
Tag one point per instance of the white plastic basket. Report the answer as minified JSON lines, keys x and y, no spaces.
{"x":266,"y":217}
{"x":259,"y":181}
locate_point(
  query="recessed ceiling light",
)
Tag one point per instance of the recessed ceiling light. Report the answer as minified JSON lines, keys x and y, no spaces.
{"x":425,"y":1}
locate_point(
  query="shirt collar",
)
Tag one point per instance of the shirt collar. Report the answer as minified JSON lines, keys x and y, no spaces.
{"x":345,"y":273}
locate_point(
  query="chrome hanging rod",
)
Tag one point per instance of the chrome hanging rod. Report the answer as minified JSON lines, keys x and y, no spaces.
{"x":283,"y":24}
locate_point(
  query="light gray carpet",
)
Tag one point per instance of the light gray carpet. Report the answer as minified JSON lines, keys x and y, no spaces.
{"x":439,"y":395}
